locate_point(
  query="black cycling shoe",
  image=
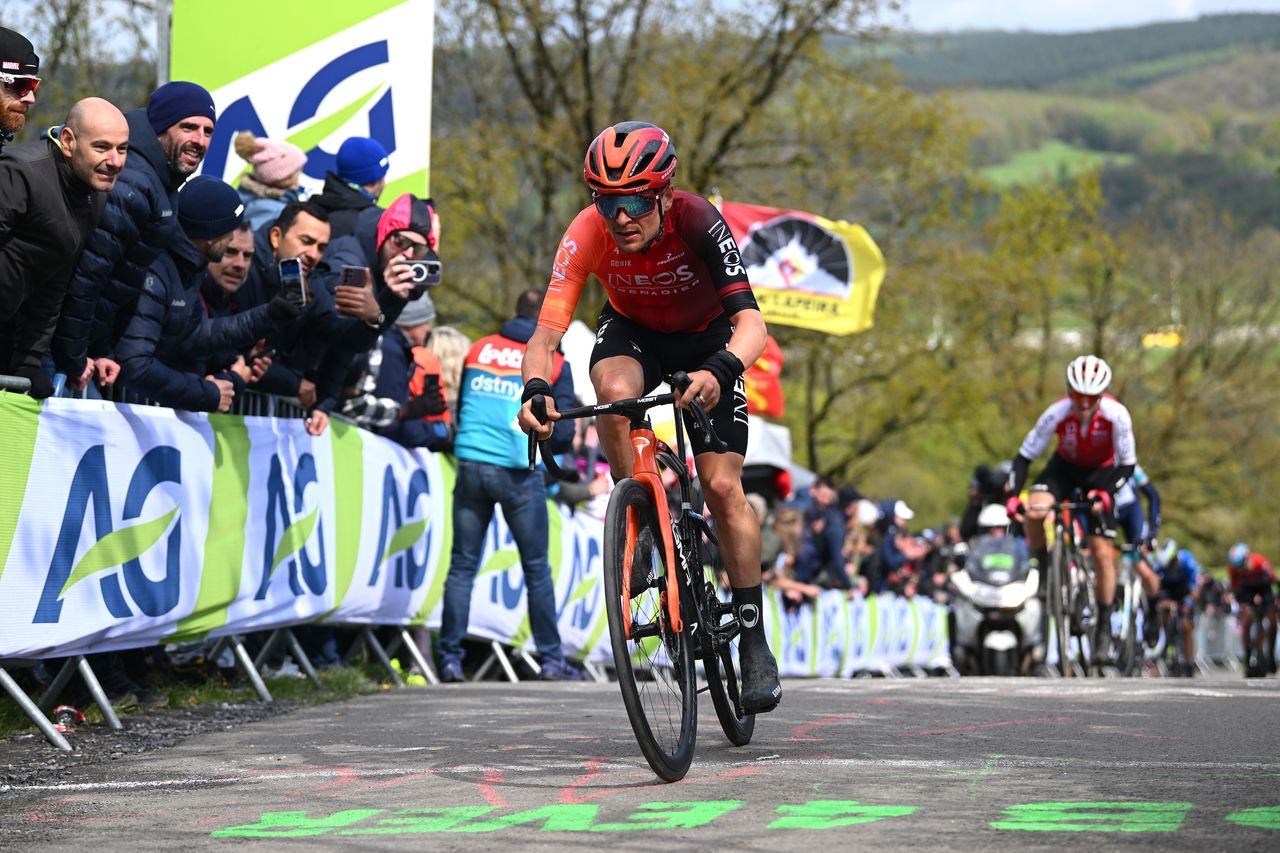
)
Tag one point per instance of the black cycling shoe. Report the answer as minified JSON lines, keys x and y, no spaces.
{"x":761,"y":691}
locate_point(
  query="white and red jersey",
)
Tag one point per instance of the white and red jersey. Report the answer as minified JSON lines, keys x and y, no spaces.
{"x":1106,"y":440}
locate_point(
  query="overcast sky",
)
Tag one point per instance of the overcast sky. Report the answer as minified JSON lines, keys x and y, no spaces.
{"x":1066,"y":15}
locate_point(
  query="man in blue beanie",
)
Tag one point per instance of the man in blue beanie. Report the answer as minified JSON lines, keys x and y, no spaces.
{"x":167,"y":142}
{"x":361,"y":176}
{"x":165,"y":348}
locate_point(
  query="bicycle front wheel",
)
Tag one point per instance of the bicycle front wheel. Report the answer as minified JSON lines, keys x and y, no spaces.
{"x":1058,"y":591}
{"x":654,"y":663}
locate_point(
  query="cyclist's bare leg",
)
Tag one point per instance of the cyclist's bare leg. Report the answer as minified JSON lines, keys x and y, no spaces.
{"x":736,"y":524}
{"x":1104,"y":562}
{"x":617,"y":378}
{"x":1150,"y":580}
{"x":1246,"y":631}
{"x":1188,"y":635}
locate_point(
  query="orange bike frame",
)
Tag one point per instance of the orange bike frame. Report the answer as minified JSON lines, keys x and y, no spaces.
{"x":644,"y":463}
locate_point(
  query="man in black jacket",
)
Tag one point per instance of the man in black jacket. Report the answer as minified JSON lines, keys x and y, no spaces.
{"x":51,"y":197}
{"x":19,"y":67}
{"x":168,"y":141}
{"x":167,"y":342}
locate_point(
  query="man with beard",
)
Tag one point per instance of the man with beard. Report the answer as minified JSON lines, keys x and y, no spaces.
{"x":168,"y":140}
{"x":19,"y":70}
{"x":168,"y":340}
{"x":52,"y":193}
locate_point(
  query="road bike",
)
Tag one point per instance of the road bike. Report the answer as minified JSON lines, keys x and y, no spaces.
{"x":662,"y":604}
{"x":1070,"y":598}
{"x":1131,"y":600}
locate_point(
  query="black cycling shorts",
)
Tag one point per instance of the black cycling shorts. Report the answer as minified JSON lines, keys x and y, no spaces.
{"x":660,"y":355}
{"x":1062,"y":478}
{"x":1179,"y":591}
{"x":1245,"y":594}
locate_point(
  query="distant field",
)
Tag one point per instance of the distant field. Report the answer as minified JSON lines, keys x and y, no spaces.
{"x":1052,"y":159}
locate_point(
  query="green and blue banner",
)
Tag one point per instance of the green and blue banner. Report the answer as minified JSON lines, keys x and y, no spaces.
{"x":125,"y":526}
{"x":313,"y":74}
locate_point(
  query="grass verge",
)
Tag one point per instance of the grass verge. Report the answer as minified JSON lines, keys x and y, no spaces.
{"x":337,"y":683}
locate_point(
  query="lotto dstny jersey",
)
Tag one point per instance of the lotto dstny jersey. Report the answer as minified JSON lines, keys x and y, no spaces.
{"x":1106,"y":440}
{"x":679,"y":284}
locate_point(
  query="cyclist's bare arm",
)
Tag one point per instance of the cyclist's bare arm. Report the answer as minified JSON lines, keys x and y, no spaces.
{"x":538,"y":362}
{"x":747,"y":343}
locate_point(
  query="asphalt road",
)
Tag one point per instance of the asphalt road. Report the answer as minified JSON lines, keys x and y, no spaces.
{"x":973,"y":764}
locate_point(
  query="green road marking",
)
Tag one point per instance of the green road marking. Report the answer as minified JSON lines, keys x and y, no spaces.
{"x":294,"y":824}
{"x":421,"y":820}
{"x":1094,"y":817}
{"x":1264,"y":817}
{"x":829,"y":814}
{"x":572,"y":817}
{"x":987,"y":769}
{"x":672,"y":816}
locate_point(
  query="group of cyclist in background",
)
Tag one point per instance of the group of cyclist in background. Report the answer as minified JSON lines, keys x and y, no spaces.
{"x":1095,"y":463}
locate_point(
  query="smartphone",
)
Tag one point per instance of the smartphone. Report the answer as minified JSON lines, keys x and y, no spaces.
{"x":292,"y":285}
{"x":426,"y":273}
{"x":352,"y":276}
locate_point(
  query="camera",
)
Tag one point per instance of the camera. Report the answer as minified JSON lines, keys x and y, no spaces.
{"x":426,"y":273}
{"x":292,"y":285}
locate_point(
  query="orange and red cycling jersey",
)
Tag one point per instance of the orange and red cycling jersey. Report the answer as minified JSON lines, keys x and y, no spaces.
{"x":682,"y":282}
{"x":1256,"y":571}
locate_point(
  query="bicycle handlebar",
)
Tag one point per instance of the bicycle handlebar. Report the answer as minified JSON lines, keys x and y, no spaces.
{"x":632,"y":408}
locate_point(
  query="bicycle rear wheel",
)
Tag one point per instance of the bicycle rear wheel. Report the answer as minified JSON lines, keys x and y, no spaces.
{"x":720,"y":664}
{"x":654,"y":664}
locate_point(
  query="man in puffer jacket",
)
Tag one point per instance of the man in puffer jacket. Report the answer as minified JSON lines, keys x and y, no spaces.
{"x":164,"y":347}
{"x":167,"y":142}
{"x":358,"y":180}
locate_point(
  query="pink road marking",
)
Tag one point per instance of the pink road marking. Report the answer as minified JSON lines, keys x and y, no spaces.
{"x":489,"y":790}
{"x":978,"y":726}
{"x":346,"y":776}
{"x":805,"y":730}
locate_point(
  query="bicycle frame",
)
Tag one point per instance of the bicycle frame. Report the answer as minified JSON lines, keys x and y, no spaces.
{"x":644,"y":462}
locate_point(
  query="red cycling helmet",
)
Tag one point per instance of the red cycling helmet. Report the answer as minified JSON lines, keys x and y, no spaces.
{"x":630,"y":157}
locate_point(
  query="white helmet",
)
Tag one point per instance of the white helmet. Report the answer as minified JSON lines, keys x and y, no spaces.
{"x":1088,"y":374}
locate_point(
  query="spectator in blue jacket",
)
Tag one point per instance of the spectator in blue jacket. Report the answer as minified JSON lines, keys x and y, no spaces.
{"x":493,"y":470}
{"x":167,"y":143}
{"x":165,"y":346}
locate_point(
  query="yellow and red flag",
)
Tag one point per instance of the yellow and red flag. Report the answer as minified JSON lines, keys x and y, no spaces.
{"x":807,"y":270}
{"x":764,"y":382}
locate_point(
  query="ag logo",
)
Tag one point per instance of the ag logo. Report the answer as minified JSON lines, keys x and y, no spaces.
{"x":241,"y":114}
{"x":397,"y":535}
{"x":295,"y":528}
{"x":122,"y":546}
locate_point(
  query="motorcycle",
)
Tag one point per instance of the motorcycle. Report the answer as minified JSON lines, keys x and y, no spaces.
{"x":997,"y":616}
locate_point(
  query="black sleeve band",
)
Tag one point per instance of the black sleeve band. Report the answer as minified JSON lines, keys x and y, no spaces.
{"x":1018,"y":475}
{"x":726,"y":367}
{"x":535,"y":387}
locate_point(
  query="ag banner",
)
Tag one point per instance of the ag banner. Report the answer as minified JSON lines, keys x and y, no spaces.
{"x":125,"y":526}
{"x":808,"y":271}
{"x":314,"y":75}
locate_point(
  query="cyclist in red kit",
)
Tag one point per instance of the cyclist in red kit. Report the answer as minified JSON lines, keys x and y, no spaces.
{"x":679,"y":299}
{"x":1096,"y":454}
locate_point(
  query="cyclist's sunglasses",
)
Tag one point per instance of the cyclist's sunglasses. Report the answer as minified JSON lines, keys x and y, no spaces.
{"x":20,"y":85}
{"x":636,"y":205}
{"x":1085,"y":399}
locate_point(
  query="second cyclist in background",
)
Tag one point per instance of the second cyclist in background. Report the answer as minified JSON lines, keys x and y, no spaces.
{"x":1253,"y":583}
{"x":1096,"y":454}
{"x":1175,"y":599}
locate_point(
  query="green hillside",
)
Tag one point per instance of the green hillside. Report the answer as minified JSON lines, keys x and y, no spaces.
{"x":1107,"y":60}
